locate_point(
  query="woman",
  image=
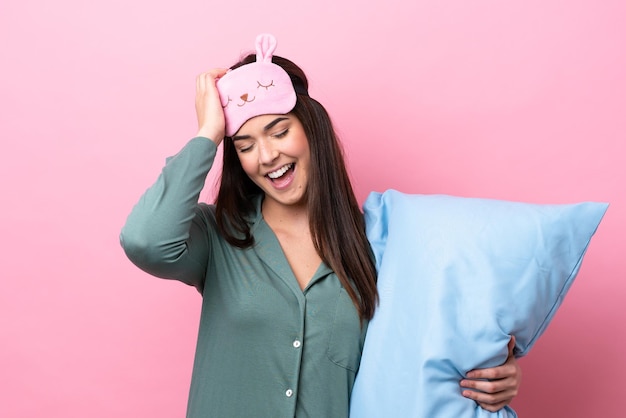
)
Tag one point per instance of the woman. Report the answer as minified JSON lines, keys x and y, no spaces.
{"x":281,"y":259}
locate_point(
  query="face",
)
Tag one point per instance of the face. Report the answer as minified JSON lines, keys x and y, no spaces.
{"x":274,"y":153}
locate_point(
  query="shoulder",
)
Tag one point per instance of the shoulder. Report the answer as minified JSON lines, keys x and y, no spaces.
{"x":206,"y":213}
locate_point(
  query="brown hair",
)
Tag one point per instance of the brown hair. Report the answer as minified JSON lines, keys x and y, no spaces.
{"x":336,"y":222}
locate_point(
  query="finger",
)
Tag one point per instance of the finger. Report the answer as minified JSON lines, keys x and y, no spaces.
{"x":511,"y":345}
{"x":200,"y":83}
{"x":206,"y":82}
{"x":489,"y":386}
{"x":493,"y":408}
{"x":217,"y":73}
{"x":211,"y":78}
{"x":495,"y":399}
{"x":498,"y":372}
{"x":508,"y":369}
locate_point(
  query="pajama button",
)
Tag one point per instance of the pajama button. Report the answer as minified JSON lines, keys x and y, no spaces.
{"x":297,"y":344}
{"x":289,"y":393}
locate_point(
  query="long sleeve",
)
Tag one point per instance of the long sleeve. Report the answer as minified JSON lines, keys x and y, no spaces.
{"x":166,"y":233}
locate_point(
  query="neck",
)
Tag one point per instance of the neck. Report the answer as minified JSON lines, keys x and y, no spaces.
{"x":285,"y":216}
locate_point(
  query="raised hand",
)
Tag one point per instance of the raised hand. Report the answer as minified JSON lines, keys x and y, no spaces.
{"x":209,"y":110}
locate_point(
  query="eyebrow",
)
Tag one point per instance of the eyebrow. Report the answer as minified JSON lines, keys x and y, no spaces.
{"x":265,"y":128}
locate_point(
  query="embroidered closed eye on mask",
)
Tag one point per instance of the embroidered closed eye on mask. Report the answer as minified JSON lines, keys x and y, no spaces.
{"x":258,"y":88}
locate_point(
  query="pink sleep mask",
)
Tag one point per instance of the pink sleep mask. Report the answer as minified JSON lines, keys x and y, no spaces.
{"x":258,"y":88}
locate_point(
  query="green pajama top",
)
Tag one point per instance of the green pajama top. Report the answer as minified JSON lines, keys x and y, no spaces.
{"x":265,"y":347}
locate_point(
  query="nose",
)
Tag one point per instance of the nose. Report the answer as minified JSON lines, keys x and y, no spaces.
{"x":244,"y":97}
{"x":267,"y":152}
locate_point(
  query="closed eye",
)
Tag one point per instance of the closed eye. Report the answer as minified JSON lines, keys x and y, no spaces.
{"x":271,"y":84}
{"x":281,"y":134}
{"x":244,"y":148}
{"x":226,"y":105}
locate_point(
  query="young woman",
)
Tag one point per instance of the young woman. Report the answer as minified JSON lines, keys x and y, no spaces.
{"x":281,"y":259}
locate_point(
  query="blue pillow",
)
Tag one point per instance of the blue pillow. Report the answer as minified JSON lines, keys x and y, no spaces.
{"x":457,"y":276}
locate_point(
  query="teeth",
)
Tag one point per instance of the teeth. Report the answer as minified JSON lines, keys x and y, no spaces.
{"x":276,"y":174}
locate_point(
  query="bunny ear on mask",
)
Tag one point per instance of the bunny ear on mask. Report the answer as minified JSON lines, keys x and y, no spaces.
{"x":265,"y":47}
{"x":258,"y":88}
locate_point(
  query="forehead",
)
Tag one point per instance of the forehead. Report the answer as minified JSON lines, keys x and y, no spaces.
{"x":259,"y":123}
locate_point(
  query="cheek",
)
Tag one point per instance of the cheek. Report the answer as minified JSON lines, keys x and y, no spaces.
{"x":300,"y":147}
{"x":247,"y":163}
{"x":305,"y":154}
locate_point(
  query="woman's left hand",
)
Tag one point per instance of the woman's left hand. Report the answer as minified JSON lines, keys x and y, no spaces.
{"x":501,"y":384}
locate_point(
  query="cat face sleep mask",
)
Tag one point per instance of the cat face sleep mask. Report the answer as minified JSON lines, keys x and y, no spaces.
{"x":258,"y":88}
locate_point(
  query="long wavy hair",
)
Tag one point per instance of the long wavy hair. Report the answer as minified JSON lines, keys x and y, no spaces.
{"x":335,"y":219}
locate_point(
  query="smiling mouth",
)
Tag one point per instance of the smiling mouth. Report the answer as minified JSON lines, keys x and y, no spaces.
{"x":274,"y":175}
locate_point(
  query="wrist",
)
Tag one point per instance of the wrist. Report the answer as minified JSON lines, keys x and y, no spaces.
{"x":213,"y":135}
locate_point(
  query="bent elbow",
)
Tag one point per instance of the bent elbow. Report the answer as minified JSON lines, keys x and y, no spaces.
{"x":137,"y":247}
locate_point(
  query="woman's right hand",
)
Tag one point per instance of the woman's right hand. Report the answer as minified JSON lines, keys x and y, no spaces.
{"x":209,"y":110}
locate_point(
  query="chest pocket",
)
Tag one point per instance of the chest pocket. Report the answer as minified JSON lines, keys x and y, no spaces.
{"x":346,"y":336}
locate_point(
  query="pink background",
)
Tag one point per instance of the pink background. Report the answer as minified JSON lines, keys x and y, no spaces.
{"x":513,"y":100}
